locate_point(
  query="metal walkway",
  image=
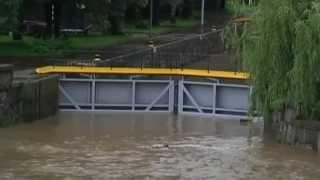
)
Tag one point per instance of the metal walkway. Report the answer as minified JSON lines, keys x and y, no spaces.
{"x":142,"y":71}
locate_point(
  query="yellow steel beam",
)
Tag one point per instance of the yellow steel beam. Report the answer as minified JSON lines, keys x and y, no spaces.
{"x":142,"y":71}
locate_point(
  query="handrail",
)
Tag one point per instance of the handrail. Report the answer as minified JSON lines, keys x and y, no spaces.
{"x":142,"y":71}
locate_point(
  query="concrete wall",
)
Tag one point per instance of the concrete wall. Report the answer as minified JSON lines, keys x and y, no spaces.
{"x":39,"y":98}
{"x":27,"y":97}
{"x":291,"y":131}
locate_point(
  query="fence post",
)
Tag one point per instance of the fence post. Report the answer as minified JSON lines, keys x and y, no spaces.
{"x":181,"y":61}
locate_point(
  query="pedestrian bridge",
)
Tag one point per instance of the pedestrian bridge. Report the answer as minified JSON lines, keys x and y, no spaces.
{"x":184,"y":91}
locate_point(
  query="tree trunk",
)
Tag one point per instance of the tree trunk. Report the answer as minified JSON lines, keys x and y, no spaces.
{"x":156,"y":13}
{"x":17,"y":32}
{"x":117,"y":17}
{"x":48,"y":16}
{"x":187,"y":9}
{"x":173,"y":12}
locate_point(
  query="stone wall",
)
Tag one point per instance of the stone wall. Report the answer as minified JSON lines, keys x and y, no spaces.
{"x":39,"y":98}
{"x":6,"y":78}
{"x":295,"y":132}
{"x":27,"y":97}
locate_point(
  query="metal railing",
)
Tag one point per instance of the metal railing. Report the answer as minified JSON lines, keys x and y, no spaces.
{"x":175,"y":54}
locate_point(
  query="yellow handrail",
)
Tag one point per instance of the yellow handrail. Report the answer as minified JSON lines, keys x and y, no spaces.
{"x":142,"y":71}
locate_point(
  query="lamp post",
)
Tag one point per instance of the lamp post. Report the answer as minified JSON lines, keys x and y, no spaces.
{"x":151,"y":19}
{"x":202,"y":16}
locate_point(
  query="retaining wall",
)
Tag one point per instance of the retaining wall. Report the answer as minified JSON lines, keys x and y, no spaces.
{"x":39,"y":98}
{"x":291,"y":131}
{"x":6,"y":78}
{"x":27,"y":97}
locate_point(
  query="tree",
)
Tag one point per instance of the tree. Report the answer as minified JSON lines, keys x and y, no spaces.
{"x":174,"y":5}
{"x":11,"y":17}
{"x":98,"y":12}
{"x":187,"y":9}
{"x":156,"y":12}
{"x":280,"y":50}
{"x":117,"y":16}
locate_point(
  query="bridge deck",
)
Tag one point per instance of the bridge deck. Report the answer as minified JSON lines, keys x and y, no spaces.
{"x":142,"y":71}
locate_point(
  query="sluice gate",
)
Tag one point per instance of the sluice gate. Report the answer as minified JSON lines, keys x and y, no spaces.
{"x":151,"y":90}
{"x":184,"y":97}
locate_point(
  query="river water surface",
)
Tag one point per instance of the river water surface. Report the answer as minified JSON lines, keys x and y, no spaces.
{"x":74,"y":146}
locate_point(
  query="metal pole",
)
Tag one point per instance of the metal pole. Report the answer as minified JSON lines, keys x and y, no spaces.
{"x":202,"y":16}
{"x":52,"y":19}
{"x":151,"y":19}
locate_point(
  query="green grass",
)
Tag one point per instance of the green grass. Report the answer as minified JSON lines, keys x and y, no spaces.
{"x":16,"y":48}
{"x":30,"y":46}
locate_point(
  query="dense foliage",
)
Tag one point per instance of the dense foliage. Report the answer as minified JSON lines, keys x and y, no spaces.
{"x":9,"y":14}
{"x":105,"y":15}
{"x":281,"y":50}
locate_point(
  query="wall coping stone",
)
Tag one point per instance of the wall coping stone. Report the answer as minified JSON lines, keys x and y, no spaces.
{"x":6,"y":67}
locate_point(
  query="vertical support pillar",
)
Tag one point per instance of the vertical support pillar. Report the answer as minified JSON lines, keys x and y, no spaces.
{"x":93,"y":93}
{"x":214,"y":98}
{"x":171,"y":97}
{"x":175,"y":94}
{"x":180,"y":97}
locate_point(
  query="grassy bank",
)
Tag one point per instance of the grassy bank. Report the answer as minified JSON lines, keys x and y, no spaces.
{"x":31,"y":46}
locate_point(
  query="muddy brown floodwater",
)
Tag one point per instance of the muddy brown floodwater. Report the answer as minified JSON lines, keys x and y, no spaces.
{"x":76,"y":146}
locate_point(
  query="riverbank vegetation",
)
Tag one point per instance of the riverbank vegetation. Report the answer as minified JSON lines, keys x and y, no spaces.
{"x":77,"y":24}
{"x":241,"y":8}
{"x":34,"y":46}
{"x":280,"y":49}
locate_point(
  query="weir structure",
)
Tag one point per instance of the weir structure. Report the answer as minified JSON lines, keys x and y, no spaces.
{"x":184,"y":91}
{"x":177,"y":76}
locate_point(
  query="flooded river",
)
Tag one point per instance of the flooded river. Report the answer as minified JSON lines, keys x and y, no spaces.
{"x":76,"y":146}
